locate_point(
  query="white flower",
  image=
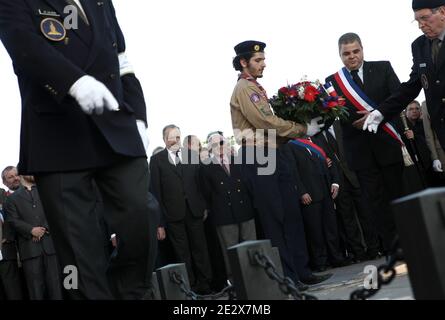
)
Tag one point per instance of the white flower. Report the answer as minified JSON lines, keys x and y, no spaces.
{"x":301,"y":90}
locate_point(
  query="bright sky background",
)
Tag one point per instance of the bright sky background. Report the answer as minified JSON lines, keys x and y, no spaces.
{"x":182,"y":52}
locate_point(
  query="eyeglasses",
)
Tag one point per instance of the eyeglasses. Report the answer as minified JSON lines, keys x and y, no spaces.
{"x":220,"y":144}
{"x":426,"y":18}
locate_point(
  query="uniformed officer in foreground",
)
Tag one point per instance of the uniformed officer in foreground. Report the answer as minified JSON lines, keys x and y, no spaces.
{"x":274,"y":194}
{"x":83,"y":121}
{"x":428,"y":71}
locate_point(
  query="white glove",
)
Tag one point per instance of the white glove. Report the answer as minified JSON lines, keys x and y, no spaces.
{"x":143,"y":133}
{"x":314,"y":127}
{"x":93,"y":96}
{"x":437,"y":166}
{"x":373,"y":121}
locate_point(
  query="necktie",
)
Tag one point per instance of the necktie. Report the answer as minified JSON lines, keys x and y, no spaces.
{"x":80,"y":12}
{"x":435,"y":47}
{"x":356,"y":78}
{"x":224,"y":165}
{"x":177,"y":158}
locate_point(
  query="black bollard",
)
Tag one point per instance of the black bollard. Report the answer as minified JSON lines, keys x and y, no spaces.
{"x":420,"y":220}
{"x":168,"y":288}
{"x":250,"y":279}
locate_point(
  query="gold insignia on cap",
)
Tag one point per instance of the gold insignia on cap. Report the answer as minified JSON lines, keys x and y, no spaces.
{"x":256,"y":48}
{"x":53,"y":29}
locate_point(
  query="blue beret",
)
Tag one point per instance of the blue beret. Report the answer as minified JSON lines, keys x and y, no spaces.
{"x":249,"y":46}
{"x":427,"y":4}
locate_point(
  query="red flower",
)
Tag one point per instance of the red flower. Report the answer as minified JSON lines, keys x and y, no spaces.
{"x":284,"y":91}
{"x":332,"y":104}
{"x":310,"y":93}
{"x":293,"y":93}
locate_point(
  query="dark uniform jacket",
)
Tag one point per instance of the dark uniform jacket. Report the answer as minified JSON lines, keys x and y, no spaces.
{"x":226,"y":195}
{"x":176,"y":187}
{"x":427,"y":75}
{"x":56,"y":135}
{"x":24,"y":212}
{"x":363,"y":148}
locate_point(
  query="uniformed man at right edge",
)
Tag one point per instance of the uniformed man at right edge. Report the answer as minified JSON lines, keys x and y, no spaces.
{"x":428,"y":71}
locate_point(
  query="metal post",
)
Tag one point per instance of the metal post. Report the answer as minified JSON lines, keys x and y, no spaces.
{"x":420,"y":220}
{"x":250,"y":279}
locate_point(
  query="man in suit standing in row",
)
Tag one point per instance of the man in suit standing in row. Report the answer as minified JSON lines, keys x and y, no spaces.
{"x":174,"y":182}
{"x":230,"y":206}
{"x":376,"y":159}
{"x":10,"y":282}
{"x":350,"y":205}
{"x":84,"y":124}
{"x":36,"y":248}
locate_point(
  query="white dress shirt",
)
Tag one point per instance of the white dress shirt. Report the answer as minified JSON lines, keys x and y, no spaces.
{"x":360,"y":71}
{"x":172,"y":156}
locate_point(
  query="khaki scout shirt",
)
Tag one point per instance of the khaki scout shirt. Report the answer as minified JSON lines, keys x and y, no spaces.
{"x":251,"y":110}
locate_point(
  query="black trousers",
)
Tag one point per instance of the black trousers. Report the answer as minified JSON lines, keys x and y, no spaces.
{"x":190,"y":245}
{"x":10,"y":283}
{"x":320,"y":223}
{"x":380,"y":186}
{"x":69,"y":200}
{"x":278,"y":212}
{"x":43,"y":277}
{"x":351,"y":210}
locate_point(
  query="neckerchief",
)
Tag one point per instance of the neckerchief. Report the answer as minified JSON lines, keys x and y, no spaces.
{"x":253,"y":80}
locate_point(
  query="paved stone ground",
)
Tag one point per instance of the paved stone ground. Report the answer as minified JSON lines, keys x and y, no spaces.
{"x":347,"y":279}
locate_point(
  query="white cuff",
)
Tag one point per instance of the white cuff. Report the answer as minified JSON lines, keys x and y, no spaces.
{"x":113,"y":236}
{"x":336,"y":185}
{"x":124,"y":64}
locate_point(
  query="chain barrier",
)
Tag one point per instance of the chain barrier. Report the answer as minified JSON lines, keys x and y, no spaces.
{"x":286,"y":285}
{"x":386,"y":273}
{"x":179,"y":280}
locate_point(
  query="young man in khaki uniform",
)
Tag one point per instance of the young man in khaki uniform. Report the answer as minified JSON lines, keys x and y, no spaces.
{"x":272,"y":190}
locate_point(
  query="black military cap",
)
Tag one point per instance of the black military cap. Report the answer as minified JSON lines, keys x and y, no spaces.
{"x":427,"y":4}
{"x":249,"y":46}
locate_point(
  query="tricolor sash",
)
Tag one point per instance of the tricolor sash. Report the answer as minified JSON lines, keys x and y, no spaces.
{"x":304,"y":143}
{"x":361,"y":101}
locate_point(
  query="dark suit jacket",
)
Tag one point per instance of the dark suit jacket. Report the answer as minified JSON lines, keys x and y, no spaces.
{"x":334,"y":150}
{"x":2,"y":197}
{"x":24,"y":214}
{"x":362,"y":148}
{"x":175,"y":187}
{"x":427,"y":75}
{"x":310,"y":172}
{"x":9,"y":248}
{"x":56,"y":135}
{"x":226,"y":195}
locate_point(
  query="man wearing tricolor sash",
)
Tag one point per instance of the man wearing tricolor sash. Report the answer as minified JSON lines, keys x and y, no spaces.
{"x":376,"y":159}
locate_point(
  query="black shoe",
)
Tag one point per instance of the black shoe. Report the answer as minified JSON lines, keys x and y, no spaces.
{"x":149,"y":295}
{"x":301,"y":286}
{"x":373,"y":255}
{"x":315,"y":279}
{"x":320,"y":269}
{"x":360,"y":258}
{"x":340,"y":263}
{"x":202,"y":289}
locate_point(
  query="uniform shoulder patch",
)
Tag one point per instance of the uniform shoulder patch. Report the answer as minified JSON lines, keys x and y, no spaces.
{"x":255,"y":97}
